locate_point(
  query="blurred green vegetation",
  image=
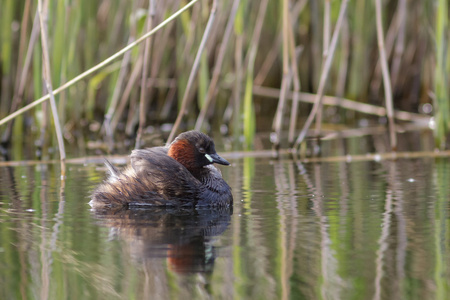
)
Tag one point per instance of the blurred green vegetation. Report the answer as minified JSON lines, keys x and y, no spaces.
{"x":83,"y":33}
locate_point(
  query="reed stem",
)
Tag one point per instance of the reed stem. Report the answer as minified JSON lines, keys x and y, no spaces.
{"x":343,"y":103}
{"x":143,"y":99}
{"x":287,"y":77}
{"x":217,"y":66}
{"x":324,"y":74}
{"x":18,"y":97}
{"x":386,"y":77}
{"x":326,"y":46}
{"x":192,"y":75}
{"x":48,"y":83}
{"x":295,"y":81}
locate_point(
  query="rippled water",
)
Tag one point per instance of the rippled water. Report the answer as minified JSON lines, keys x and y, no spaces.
{"x":327,"y":230}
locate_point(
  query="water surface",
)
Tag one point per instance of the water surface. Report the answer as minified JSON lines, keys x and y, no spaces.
{"x":372,"y":229}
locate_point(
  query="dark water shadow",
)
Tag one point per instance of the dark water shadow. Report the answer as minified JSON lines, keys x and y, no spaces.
{"x":182,"y":235}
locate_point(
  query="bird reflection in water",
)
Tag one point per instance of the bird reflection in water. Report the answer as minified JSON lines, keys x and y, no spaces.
{"x":182,"y":235}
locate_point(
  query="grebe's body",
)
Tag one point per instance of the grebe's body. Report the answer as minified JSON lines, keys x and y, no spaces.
{"x":178,"y":175}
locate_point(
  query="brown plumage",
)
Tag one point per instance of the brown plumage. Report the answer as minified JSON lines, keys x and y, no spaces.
{"x":181,"y":174}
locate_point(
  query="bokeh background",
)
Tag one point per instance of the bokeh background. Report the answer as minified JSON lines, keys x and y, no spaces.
{"x":255,"y":53}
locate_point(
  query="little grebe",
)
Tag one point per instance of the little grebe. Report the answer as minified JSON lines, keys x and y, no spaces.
{"x":178,"y":175}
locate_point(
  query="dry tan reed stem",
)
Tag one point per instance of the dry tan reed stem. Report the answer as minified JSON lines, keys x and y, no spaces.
{"x":399,"y":43}
{"x":23,"y":76}
{"x":389,"y":42}
{"x":345,"y":53}
{"x":254,"y":42}
{"x":126,"y":93}
{"x":116,"y":94}
{"x":98,"y":66}
{"x":344,"y":103}
{"x":268,"y":62}
{"x":157,"y":60}
{"x":193,"y":73}
{"x":143,"y":97}
{"x":326,"y":48}
{"x":23,"y":32}
{"x":386,"y":77}
{"x":273,"y":53}
{"x":218,"y":65}
{"x":48,"y":83}
{"x":324,"y":74}
{"x":287,"y":76}
{"x":296,"y":82}
{"x":108,"y":119}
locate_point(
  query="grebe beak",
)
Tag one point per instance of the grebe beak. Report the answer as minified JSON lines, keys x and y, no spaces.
{"x":215,"y":158}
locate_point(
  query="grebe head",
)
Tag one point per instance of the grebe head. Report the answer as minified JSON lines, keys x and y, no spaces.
{"x":194,"y":150}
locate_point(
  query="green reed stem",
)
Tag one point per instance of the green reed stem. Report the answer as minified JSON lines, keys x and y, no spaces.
{"x":441,"y":100}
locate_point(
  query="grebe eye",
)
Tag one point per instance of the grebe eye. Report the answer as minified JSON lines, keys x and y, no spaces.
{"x":201,"y":150}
